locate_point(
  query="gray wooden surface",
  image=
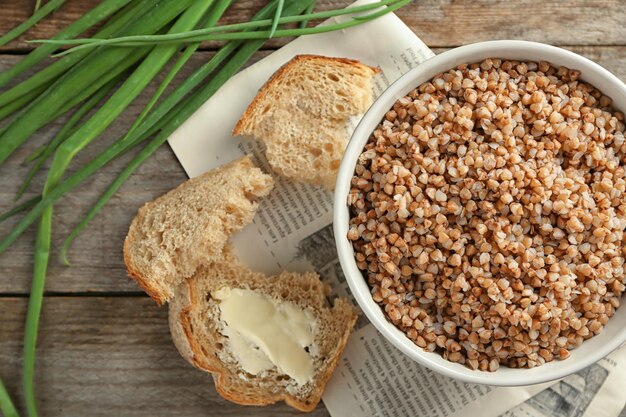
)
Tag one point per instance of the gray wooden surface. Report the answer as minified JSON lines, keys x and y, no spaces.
{"x":104,"y":348}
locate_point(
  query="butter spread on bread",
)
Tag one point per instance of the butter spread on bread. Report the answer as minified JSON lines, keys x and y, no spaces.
{"x":198,"y":331}
{"x":265,"y":332}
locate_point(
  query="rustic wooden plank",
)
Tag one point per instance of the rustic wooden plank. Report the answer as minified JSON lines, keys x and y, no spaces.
{"x":439,"y":23}
{"x":112,"y":357}
{"x":97,"y":254}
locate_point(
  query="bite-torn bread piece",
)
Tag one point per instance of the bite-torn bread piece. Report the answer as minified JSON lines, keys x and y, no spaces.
{"x":302,"y":115}
{"x":188,"y":227}
{"x":204,"y":332}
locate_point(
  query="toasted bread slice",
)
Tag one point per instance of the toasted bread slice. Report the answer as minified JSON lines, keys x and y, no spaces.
{"x":188,"y":227}
{"x":195,"y":324}
{"x":302,"y":114}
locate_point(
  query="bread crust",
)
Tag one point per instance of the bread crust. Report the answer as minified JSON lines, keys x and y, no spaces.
{"x":278,"y":75}
{"x":221,"y":373}
{"x":134,"y":273}
{"x":154,"y":284}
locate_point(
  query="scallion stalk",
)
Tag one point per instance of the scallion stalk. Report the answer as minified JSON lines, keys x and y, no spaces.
{"x":13,"y":107}
{"x":308,"y":11}
{"x":277,"y":16}
{"x":66,"y":131}
{"x":35,"y":300}
{"x":49,"y":7}
{"x":103,"y":10}
{"x":212,"y":18}
{"x":6,"y":404}
{"x":199,"y":34}
{"x":20,"y":208}
{"x":87,"y":76}
{"x":116,"y":26}
{"x":67,"y":128}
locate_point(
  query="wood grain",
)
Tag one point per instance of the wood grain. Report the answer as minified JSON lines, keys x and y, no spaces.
{"x":112,"y":357}
{"x":439,"y":23}
{"x":97,"y":254}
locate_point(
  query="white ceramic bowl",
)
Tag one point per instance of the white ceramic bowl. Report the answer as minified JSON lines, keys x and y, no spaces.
{"x":613,"y":335}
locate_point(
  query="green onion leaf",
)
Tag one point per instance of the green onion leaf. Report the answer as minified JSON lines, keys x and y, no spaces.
{"x":51,"y":6}
{"x":198,"y":35}
{"x":42,"y":154}
{"x":277,"y":16}
{"x":309,"y":10}
{"x":20,"y":208}
{"x":125,"y":17}
{"x":6,"y":404}
{"x":89,"y":19}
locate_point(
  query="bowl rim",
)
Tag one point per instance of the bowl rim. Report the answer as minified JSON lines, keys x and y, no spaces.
{"x":360,"y":290}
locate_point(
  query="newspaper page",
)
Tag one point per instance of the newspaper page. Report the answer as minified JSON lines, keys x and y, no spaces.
{"x":375,"y":379}
{"x":292,"y":230}
{"x":596,"y":391}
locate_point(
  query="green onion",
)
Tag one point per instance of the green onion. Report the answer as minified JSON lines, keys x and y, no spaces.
{"x":42,"y":253}
{"x":51,"y":6}
{"x":44,"y":77}
{"x":18,"y":209}
{"x":95,"y":15}
{"x":277,"y":16}
{"x":129,"y":90}
{"x":87,"y":77}
{"x":212,"y":18}
{"x":197,"y":34}
{"x":72,"y":121}
{"x":308,"y":10}
{"x":37,"y":5}
{"x":63,"y":134}
{"x":12,"y":107}
{"x":6,"y":405}
{"x":65,"y":93}
{"x":265,"y":34}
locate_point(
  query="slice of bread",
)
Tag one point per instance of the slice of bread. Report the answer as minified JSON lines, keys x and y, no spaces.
{"x":196,"y":327}
{"x":177,"y":250}
{"x":302,"y":114}
{"x":188,"y":227}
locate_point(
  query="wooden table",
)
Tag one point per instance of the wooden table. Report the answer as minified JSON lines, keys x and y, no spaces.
{"x":104,"y":347}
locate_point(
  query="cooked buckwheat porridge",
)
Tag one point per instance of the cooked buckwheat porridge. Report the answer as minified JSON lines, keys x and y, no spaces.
{"x":488,"y":212}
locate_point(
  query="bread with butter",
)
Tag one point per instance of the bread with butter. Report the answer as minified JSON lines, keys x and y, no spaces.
{"x":176,"y":249}
{"x":198,"y":332}
{"x":302,"y":113}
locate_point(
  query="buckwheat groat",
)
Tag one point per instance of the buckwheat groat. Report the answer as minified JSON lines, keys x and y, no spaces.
{"x":488,"y":213}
